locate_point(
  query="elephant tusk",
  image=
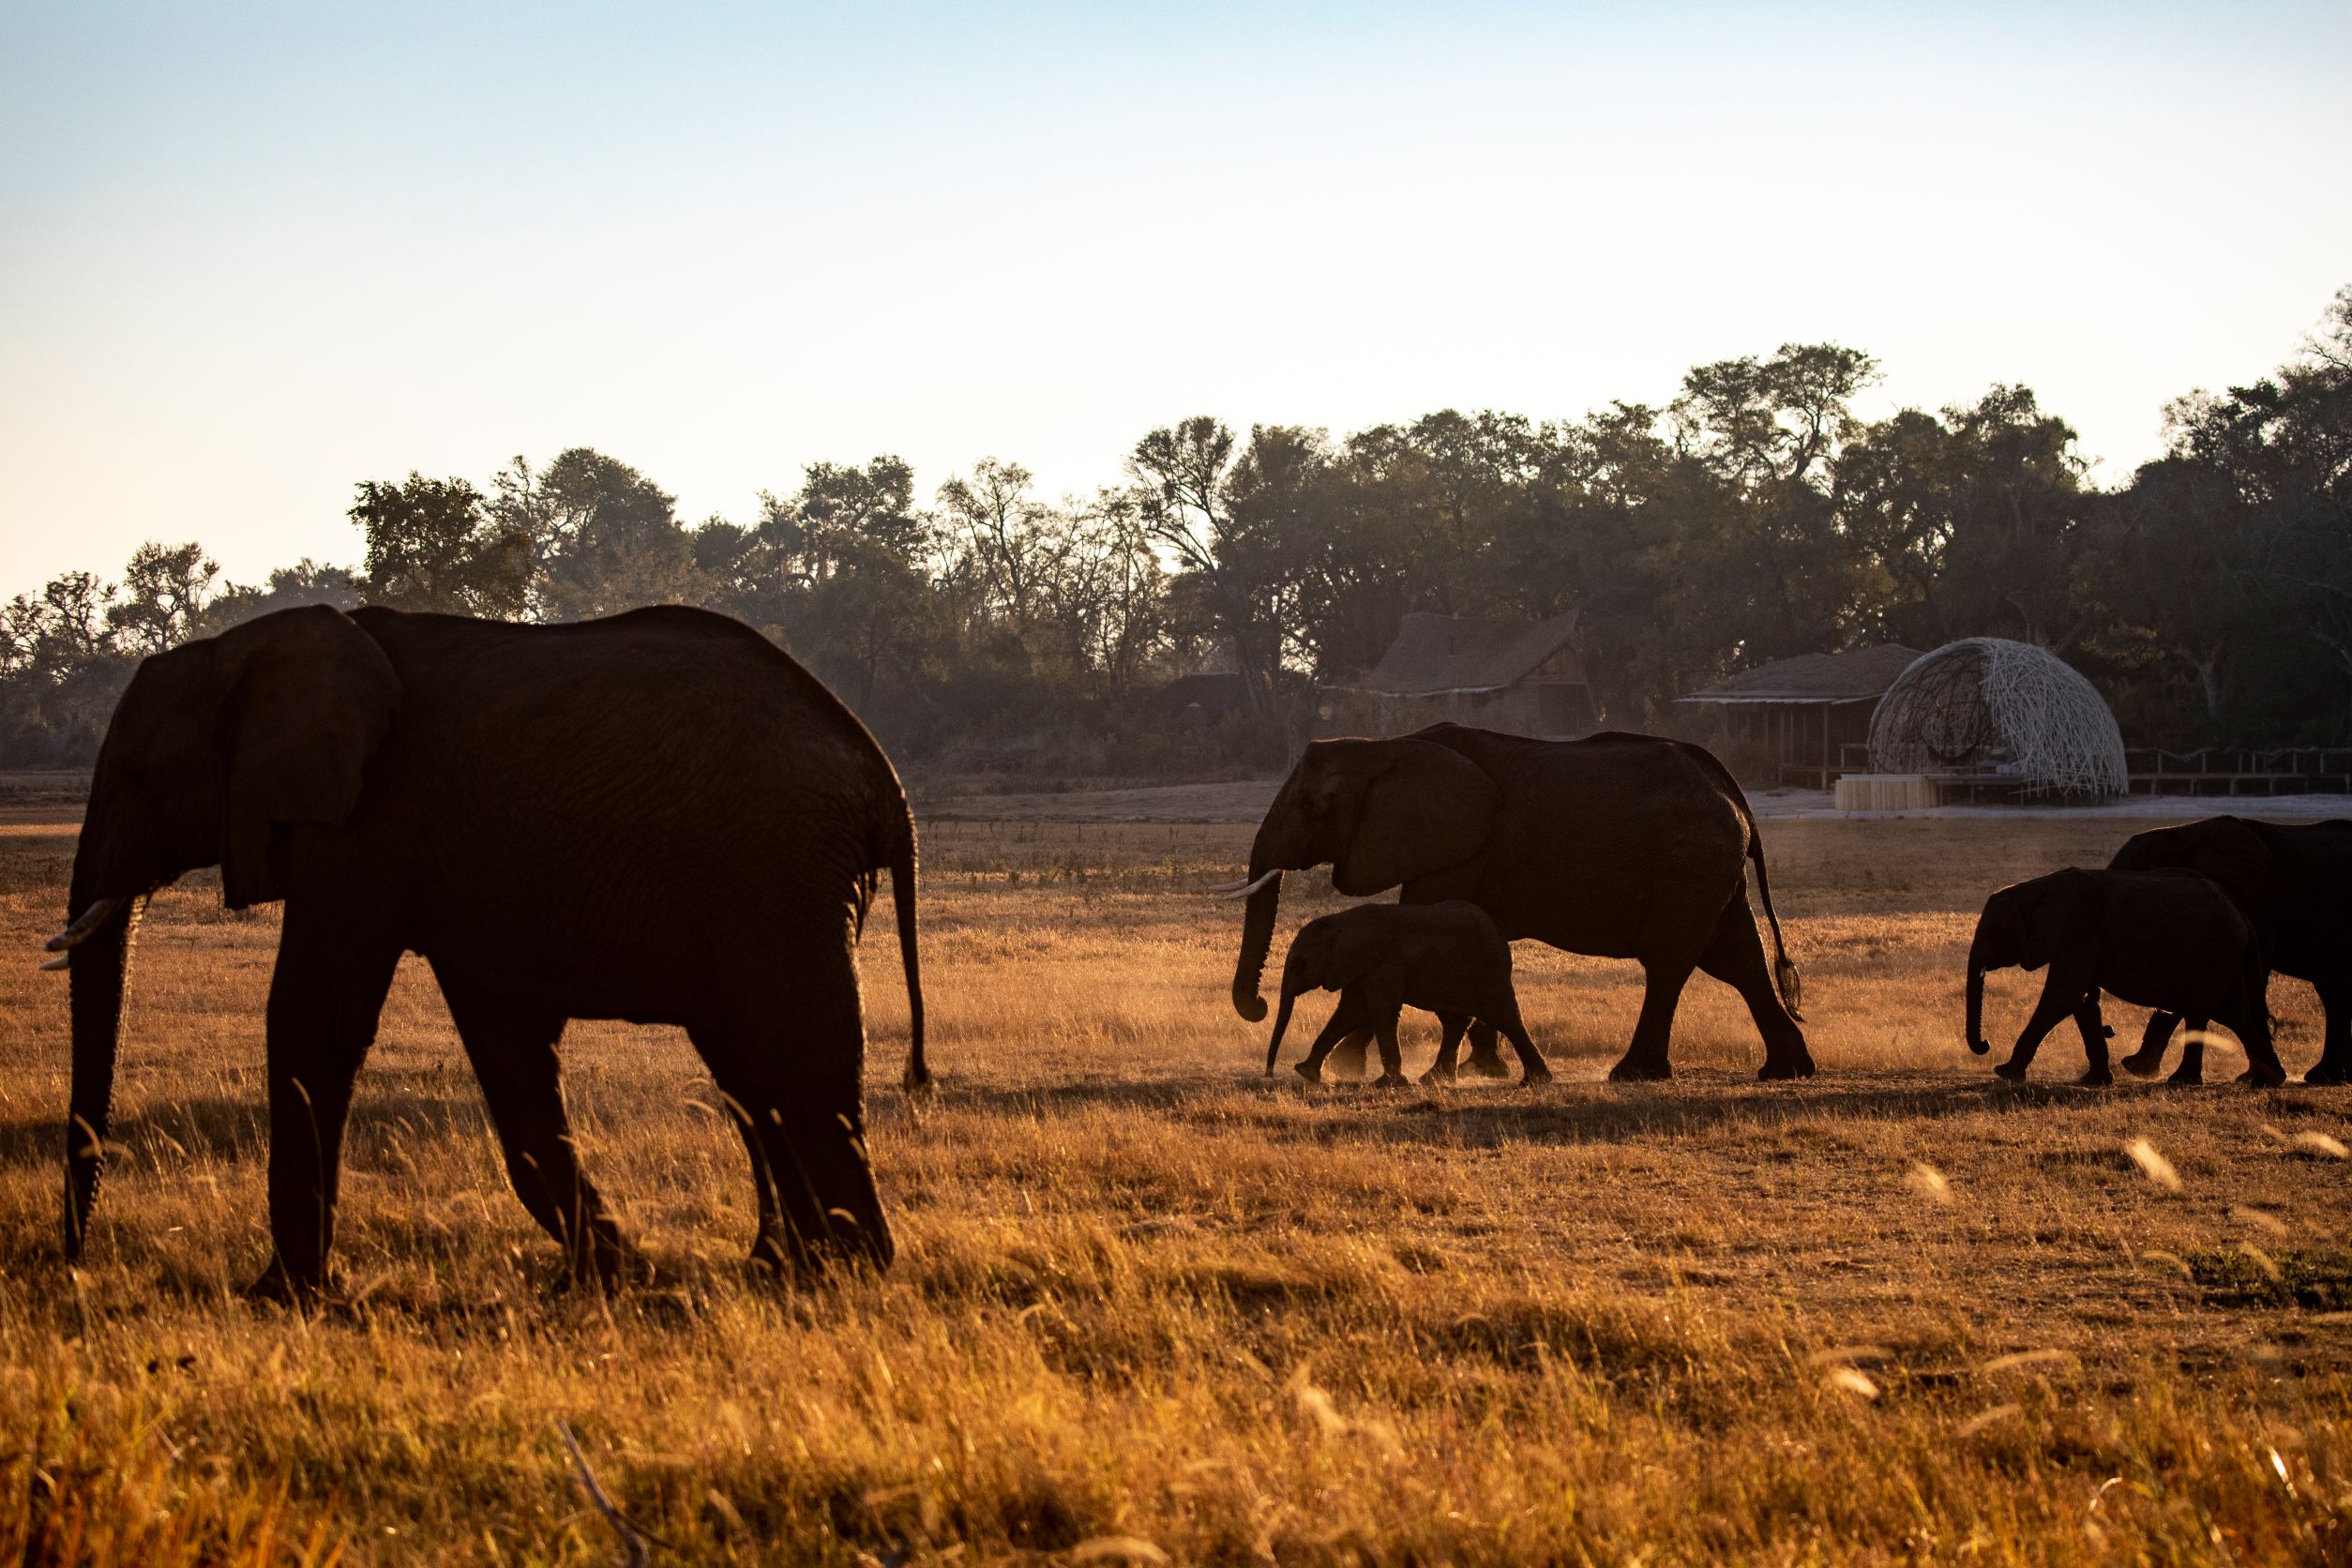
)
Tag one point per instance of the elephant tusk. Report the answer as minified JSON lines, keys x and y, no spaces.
{"x":62,"y":960}
{"x":84,"y":928}
{"x":1246,"y":890}
{"x":1226,"y":887}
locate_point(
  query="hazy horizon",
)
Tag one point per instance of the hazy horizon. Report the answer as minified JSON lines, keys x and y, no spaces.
{"x":244,"y":265}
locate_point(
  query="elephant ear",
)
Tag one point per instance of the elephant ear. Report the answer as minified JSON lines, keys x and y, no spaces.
{"x":1351,"y":950}
{"x":307,"y":697}
{"x":1425,"y":807}
{"x":2071,"y":909}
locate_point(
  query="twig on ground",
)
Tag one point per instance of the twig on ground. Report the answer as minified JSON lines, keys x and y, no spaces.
{"x":621,"y":1527}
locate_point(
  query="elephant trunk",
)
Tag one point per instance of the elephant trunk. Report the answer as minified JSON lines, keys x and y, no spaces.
{"x":1977,"y":1042}
{"x":100,"y":970}
{"x":1258,"y":924}
{"x":1282,"y":1022}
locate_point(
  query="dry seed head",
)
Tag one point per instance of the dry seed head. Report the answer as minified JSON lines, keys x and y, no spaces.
{"x":1928,"y":1182}
{"x":1850,"y":1381}
{"x":2157,"y":1169}
{"x":2320,"y":1143}
{"x":1117,"y":1548}
{"x":2244,"y":1215}
{"x":2171,"y":1260}
{"x":1846,"y":1355}
{"x":2016,"y":1359}
{"x":1984,"y":1418}
{"x":2261,"y":1259}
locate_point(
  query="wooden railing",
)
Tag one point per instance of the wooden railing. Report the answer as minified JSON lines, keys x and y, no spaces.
{"x":2212,"y":771}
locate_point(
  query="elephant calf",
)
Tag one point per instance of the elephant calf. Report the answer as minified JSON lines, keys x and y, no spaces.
{"x":2170,"y":939}
{"x":1447,"y":958}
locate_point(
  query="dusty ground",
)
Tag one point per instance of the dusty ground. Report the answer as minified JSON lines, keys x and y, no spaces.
{"x":1150,"y":1305}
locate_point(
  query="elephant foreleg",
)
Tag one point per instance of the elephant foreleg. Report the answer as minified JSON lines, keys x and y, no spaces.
{"x":2154,"y":1039}
{"x":2070,"y":986}
{"x":1386,"y":1011}
{"x":513,"y":1053}
{"x":1345,"y":1029}
{"x":324,"y":1001}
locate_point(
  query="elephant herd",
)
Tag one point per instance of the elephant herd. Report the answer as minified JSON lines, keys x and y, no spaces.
{"x":662,"y":817}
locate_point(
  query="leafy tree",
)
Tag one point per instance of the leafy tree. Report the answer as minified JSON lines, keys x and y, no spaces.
{"x":601,"y":537}
{"x":166,"y":588}
{"x":433,"y":546}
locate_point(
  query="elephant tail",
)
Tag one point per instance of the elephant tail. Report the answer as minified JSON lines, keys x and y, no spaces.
{"x":1786,"y":979}
{"x":902,"y":859}
{"x":1784,"y":976}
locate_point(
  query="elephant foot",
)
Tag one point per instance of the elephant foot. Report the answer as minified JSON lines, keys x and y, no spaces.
{"x":2327,"y":1072}
{"x":2183,"y":1078}
{"x":1486,"y":1066}
{"x":779,"y":1257}
{"x":1781,"y":1069}
{"x":1630,"y":1070}
{"x":2096,"y":1077}
{"x":1438,"y":1075}
{"x":1536,"y":1076}
{"x":2269,"y":1075}
{"x":1310,"y":1071}
{"x":612,"y":1266}
{"x":2141,"y":1063}
{"x":1391,"y":1080}
{"x":280,"y":1288}
{"x":2010,"y":1072}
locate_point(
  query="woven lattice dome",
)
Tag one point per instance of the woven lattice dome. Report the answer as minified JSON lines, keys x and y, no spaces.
{"x":1986,"y":704}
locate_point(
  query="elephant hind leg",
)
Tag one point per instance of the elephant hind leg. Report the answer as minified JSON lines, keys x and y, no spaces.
{"x":1534,"y":1069}
{"x":2335,"y":1052}
{"x":512,"y":1048}
{"x":1486,"y":1057}
{"x":2095,"y":1031}
{"x":800,"y":1108}
{"x":1735,"y":956}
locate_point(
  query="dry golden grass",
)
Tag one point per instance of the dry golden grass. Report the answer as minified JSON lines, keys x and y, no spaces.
{"x":1149,"y":1305}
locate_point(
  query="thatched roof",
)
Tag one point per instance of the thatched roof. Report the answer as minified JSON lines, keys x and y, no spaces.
{"x":1435,"y":655}
{"x":1986,"y":704}
{"x":1854,"y":677}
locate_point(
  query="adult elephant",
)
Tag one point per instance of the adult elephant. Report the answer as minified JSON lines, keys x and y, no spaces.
{"x":1621,"y":846}
{"x":658,"y":817}
{"x":2295,"y":883}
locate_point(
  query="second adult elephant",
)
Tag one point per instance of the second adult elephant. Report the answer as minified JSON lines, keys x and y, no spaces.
{"x":1620,"y":845}
{"x":2294,"y":881}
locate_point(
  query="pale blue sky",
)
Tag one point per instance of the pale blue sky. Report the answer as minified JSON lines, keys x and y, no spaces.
{"x":250,"y":255}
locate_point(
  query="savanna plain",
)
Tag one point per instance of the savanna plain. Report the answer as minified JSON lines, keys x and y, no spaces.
{"x":1152,"y":1307}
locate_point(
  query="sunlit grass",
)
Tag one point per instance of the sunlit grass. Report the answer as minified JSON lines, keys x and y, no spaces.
{"x":1146,"y":1297}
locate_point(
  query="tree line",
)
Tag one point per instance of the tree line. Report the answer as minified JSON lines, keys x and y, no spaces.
{"x":1753,"y":516}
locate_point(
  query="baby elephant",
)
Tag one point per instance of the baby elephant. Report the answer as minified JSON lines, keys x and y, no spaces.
{"x":2171,"y":939}
{"x":1446,"y":958}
